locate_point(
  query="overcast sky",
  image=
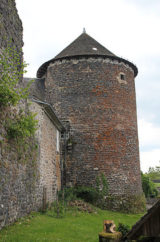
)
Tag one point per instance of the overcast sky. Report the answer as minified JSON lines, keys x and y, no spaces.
{"x":128,"y":28}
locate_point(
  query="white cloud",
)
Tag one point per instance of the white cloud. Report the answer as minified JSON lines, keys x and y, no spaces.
{"x":149,"y":135}
{"x":149,"y":139}
{"x":122,"y":26}
{"x":149,"y":159}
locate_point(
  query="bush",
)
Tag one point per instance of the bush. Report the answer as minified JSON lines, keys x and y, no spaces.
{"x":22,"y":126}
{"x":124,"y":229}
{"x":148,"y":186}
{"x":67,"y":194}
{"x":58,"y":209}
{"x":11,"y":70}
{"x":94,"y":195}
{"x":88,"y":194}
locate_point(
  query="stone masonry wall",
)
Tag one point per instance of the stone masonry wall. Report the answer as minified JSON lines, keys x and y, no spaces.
{"x":19,"y":172}
{"x":27,"y":176}
{"x":10,"y":25}
{"x":49,"y":158}
{"x":101,"y":108}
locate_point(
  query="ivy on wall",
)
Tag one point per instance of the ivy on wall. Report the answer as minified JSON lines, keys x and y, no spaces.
{"x":18,"y":125}
{"x":21,"y":126}
{"x":11,"y":70}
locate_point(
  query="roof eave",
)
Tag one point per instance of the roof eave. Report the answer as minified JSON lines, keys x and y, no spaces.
{"x":43,"y":68}
{"x":51,"y":114}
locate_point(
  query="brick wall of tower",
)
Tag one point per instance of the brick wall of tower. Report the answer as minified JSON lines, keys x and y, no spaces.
{"x":101,"y":109}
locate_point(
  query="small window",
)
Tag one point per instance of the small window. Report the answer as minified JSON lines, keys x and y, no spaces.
{"x":122,"y":76}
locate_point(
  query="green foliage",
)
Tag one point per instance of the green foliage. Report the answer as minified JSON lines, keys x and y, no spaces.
{"x":67,"y":194}
{"x":154,"y":173}
{"x":102,"y":185}
{"x":95,"y":196}
{"x":58,"y":209}
{"x":22,"y":126}
{"x":123,"y":228}
{"x":148,"y":186}
{"x":88,"y":194}
{"x":11,"y":70}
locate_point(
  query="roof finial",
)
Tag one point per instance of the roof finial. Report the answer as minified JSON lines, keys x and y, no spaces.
{"x":84,"y":31}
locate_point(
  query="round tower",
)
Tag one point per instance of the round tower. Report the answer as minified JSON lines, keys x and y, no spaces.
{"x":94,"y":91}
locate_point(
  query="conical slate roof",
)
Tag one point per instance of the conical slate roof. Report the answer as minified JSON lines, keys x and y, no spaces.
{"x":84,"y":46}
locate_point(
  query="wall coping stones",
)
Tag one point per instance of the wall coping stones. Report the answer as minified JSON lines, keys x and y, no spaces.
{"x":50,"y":113}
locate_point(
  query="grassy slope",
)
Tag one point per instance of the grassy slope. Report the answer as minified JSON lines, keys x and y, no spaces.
{"x":74,"y":227}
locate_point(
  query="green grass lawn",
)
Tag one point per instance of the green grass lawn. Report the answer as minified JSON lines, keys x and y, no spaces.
{"x":74,"y":227}
{"x":157,"y":184}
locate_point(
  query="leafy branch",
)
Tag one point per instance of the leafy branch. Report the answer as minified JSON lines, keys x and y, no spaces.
{"x":11,"y":70}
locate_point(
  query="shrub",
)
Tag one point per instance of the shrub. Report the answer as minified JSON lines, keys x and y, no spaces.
{"x":67,"y":194}
{"x":148,"y":186}
{"x":58,"y":209}
{"x":94,"y":195}
{"x":11,"y":70}
{"x":88,"y":194}
{"x":124,"y":229}
{"x":22,"y":126}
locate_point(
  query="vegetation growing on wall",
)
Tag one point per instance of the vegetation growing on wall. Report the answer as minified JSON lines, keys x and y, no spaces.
{"x":18,"y":124}
{"x":102,"y":185}
{"x":94,"y":195}
{"x":22,"y":126}
{"x":11,"y":70}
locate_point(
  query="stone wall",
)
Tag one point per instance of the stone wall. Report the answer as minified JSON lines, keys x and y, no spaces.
{"x":10,"y":25}
{"x":28,"y":175}
{"x":100,"y":105}
{"x":18,"y":173}
{"x":49,"y":157}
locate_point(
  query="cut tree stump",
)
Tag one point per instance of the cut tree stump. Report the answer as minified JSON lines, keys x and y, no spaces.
{"x":109,"y":233}
{"x":109,"y":226}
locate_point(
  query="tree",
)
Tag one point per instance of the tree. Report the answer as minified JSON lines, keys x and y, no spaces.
{"x":154,"y":173}
{"x":148,"y":186}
